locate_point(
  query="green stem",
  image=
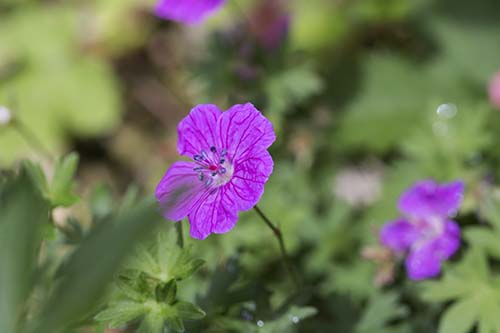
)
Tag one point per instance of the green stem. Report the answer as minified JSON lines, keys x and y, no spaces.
{"x":31,"y":139}
{"x":180,"y":237}
{"x":279,"y":236}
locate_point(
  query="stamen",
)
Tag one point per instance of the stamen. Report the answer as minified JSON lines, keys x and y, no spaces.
{"x":213,"y":149}
{"x":204,"y":154}
{"x":198,"y":158}
{"x":209,"y":181}
{"x":223,"y":152}
{"x":222,"y":161}
{"x":198,"y":169}
{"x":214,"y":174}
{"x":200,"y":176}
{"x":223,"y":170}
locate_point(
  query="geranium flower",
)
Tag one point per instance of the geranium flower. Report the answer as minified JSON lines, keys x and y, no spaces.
{"x":494,"y":90}
{"x":426,"y":233}
{"x":187,"y":11}
{"x":230,"y":165}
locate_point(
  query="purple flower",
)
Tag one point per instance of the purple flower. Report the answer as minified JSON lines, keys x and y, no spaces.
{"x":426,"y":233}
{"x":230,"y":166}
{"x":494,"y":90}
{"x":270,"y":22}
{"x":187,"y":11}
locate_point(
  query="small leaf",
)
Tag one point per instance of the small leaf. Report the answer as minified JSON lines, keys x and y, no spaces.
{"x":153,"y":322}
{"x":460,"y":317}
{"x":120,"y":313}
{"x":175,"y":324}
{"x":134,"y":285}
{"x":166,"y":292}
{"x":63,"y":183}
{"x":189,"y":311}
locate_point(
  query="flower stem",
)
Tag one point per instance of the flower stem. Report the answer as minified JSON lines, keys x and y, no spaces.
{"x":31,"y":139}
{"x":180,"y":237}
{"x":279,"y":236}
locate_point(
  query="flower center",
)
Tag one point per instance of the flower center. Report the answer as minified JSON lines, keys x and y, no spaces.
{"x":214,"y":168}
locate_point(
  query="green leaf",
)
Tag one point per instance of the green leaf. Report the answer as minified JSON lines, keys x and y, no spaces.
{"x":460,"y":317}
{"x":381,"y":310}
{"x":134,"y":285}
{"x":175,"y":324}
{"x":101,"y":202}
{"x":23,"y":212}
{"x":101,"y":253}
{"x":189,"y":311}
{"x":166,"y":292}
{"x":63,"y":183}
{"x":120,"y":313}
{"x":153,"y":323}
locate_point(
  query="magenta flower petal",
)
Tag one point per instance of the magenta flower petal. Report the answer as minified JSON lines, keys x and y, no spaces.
{"x":399,"y":235}
{"x":217,"y":215}
{"x":427,"y":199}
{"x":250,"y":175}
{"x":179,"y":191}
{"x":187,"y":11}
{"x":244,"y":131}
{"x":423,"y":263}
{"x":229,"y":169}
{"x":197,"y":131}
{"x":425,"y":259}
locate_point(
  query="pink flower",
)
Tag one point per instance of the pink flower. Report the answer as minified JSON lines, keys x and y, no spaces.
{"x":230,"y":166}
{"x":494,"y":91}
{"x":187,"y":11}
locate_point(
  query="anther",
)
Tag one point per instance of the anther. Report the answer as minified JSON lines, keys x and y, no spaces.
{"x":198,"y":169}
{"x":222,"y":161}
{"x":198,"y":158}
{"x":213,"y":149}
{"x":222,"y":170}
{"x":214,"y":174}
{"x":204,"y":154}
{"x":223,"y":152}
{"x":200,"y":176}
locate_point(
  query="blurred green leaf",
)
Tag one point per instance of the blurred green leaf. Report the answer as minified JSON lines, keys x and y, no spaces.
{"x":90,"y":268}
{"x":381,"y":310}
{"x":120,"y":313}
{"x":60,"y":89}
{"x":63,"y":182}
{"x":23,"y":213}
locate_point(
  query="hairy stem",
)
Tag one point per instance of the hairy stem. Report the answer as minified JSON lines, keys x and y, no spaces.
{"x":279,"y":236}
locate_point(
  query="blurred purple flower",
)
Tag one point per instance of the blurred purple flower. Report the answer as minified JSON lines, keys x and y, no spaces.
{"x":494,"y":91}
{"x":187,"y":11}
{"x":270,"y":22}
{"x":230,"y":166}
{"x":425,"y":233}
